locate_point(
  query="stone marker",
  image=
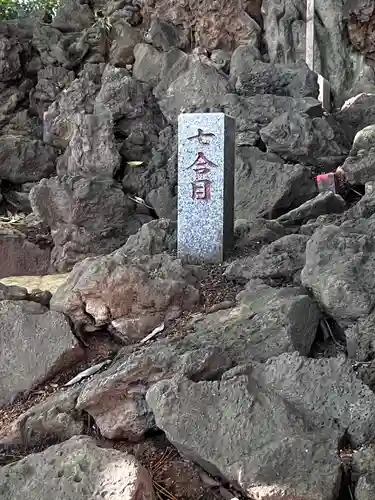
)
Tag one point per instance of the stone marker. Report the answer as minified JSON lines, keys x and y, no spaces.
{"x":206,"y":157}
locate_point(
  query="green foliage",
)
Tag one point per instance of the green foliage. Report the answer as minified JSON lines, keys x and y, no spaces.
{"x":12,"y":9}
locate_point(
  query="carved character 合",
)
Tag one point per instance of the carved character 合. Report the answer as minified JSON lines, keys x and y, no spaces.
{"x":202,"y":165}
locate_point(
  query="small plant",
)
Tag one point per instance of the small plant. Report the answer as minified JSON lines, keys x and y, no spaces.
{"x":13,"y":9}
{"x":103,"y":23}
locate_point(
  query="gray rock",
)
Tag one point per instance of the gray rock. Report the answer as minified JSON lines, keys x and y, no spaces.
{"x":256,"y":112}
{"x":324,"y":203}
{"x":363,"y":472}
{"x":275,"y":186}
{"x":365,"y":488}
{"x":174,"y":63}
{"x":10,"y":62}
{"x":327,"y":392}
{"x":92,"y":150}
{"x":357,"y":112}
{"x":148,"y":63}
{"x":19,"y":201}
{"x":363,"y":141}
{"x":125,"y":383}
{"x":280,"y":260}
{"x":52,"y":80}
{"x":266,"y":323}
{"x":76,"y":469}
{"x":87,"y":217}
{"x":164,"y":36}
{"x":255,"y":234}
{"x":157,"y":236}
{"x":11,"y":97}
{"x":20,"y":257}
{"x":242,"y":61}
{"x":32,"y":338}
{"x":264,"y":78}
{"x":120,"y":93}
{"x":156,"y":180}
{"x":336,"y":59}
{"x":25,"y":160}
{"x":67,"y":50}
{"x":200,"y":86}
{"x":77,"y":98}
{"x":339,"y":269}
{"x":134,"y":109}
{"x":133,"y":294}
{"x":359,"y":167}
{"x":125,"y":38}
{"x":73,"y":16}
{"x":56,"y":418}
{"x":312,"y":141}
{"x":13,"y":292}
{"x":221,"y":60}
{"x":361,"y":338}
{"x":248,"y":435}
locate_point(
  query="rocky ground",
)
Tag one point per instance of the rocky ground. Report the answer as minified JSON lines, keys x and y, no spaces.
{"x":256,"y":379}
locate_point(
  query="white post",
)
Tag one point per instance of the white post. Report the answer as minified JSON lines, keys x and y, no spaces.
{"x":310,"y":35}
{"x":324,"y":88}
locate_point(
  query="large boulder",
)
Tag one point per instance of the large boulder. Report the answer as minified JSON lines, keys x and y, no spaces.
{"x":20,"y":257}
{"x":357,"y":112}
{"x":327,"y":392}
{"x":76,"y":470}
{"x":77,"y":98}
{"x":116,"y":397}
{"x":361,"y":24}
{"x":33,"y":341}
{"x":264,"y":78}
{"x":73,"y":16}
{"x":52,"y":80}
{"x":87,"y":217}
{"x":267,"y":187}
{"x":132,"y":294}
{"x":220,"y":26}
{"x":157,"y":236}
{"x":92,"y":151}
{"x":252,"y":235}
{"x":125,"y":38}
{"x":256,"y":112}
{"x":63,"y":49}
{"x":249,"y":435}
{"x":363,"y":472}
{"x":148,"y":63}
{"x":198,"y":87}
{"x":323,"y":203}
{"x":266,"y":323}
{"x":359,"y":167}
{"x":25,"y":160}
{"x":10,"y":60}
{"x":134,"y":110}
{"x":312,"y":141}
{"x":54,"y":418}
{"x":281,"y":260}
{"x":339,"y":269}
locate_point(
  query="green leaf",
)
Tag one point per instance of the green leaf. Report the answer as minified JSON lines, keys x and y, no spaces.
{"x":134,"y":163}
